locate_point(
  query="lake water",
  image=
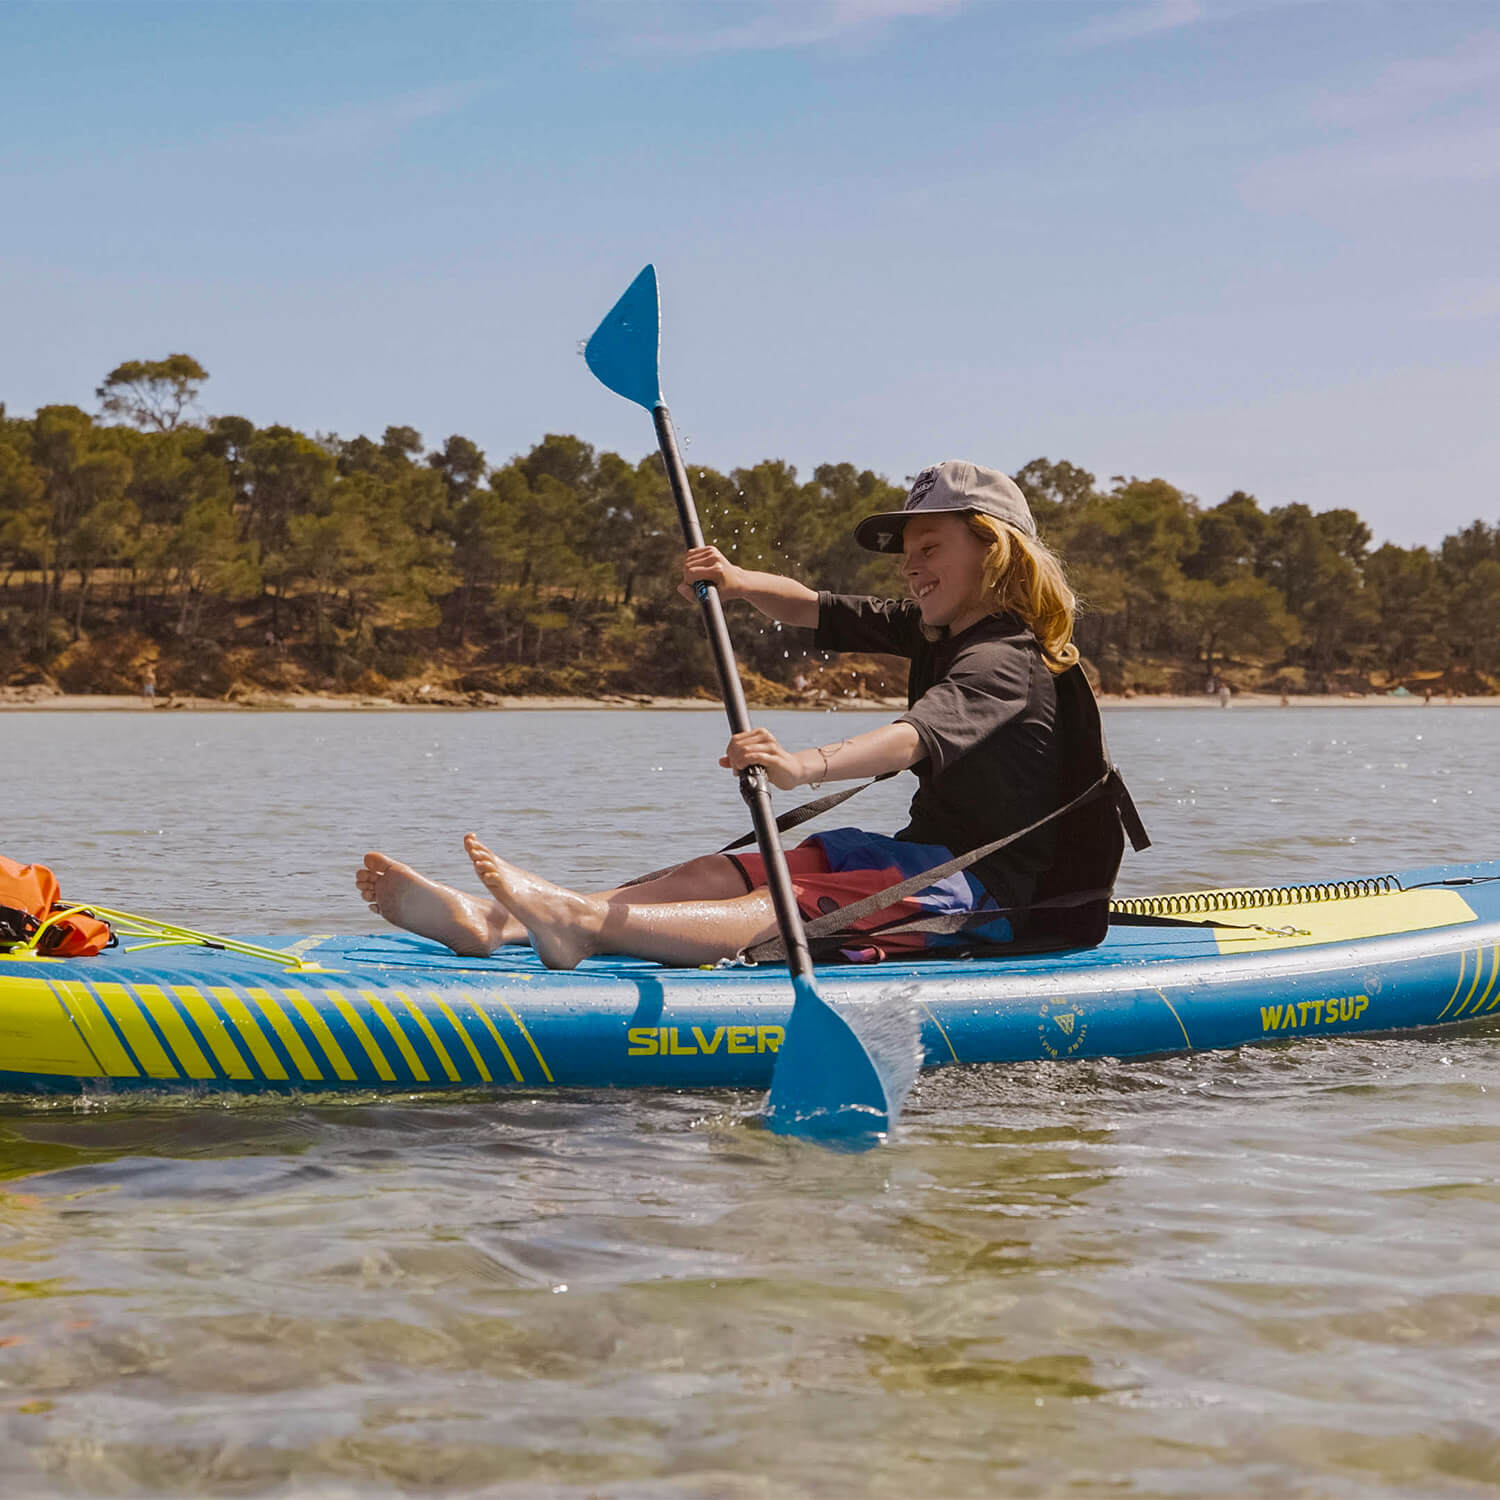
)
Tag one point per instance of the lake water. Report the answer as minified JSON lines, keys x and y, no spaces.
{"x":1270,"y":1272}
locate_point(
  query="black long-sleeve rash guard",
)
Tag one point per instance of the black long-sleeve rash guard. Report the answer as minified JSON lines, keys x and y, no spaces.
{"x":985,"y":707}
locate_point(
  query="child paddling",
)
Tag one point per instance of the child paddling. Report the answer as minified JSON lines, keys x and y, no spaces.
{"x":988,"y":631}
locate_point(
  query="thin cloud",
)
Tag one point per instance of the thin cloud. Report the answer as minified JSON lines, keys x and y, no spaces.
{"x":1465,"y":302}
{"x":778,"y":25}
{"x":1129,"y":23}
{"x":1422,"y":123}
{"x":360,"y":126}
{"x":1138,"y":20}
{"x":1325,"y":174}
{"x":1413,"y":85}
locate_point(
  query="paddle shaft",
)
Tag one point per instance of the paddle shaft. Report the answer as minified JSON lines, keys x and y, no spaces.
{"x":755,"y":785}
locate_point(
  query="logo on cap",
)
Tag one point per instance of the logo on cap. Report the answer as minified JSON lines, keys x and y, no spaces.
{"x":920,"y":487}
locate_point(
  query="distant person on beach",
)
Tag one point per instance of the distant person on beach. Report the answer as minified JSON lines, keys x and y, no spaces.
{"x":148,"y":683}
{"x":1000,"y":721}
{"x":1224,"y":691}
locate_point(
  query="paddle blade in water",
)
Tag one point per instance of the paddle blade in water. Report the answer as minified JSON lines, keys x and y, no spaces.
{"x":834,"y":1084}
{"x":625,"y":351}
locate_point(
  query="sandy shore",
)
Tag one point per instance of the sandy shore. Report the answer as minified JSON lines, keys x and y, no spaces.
{"x":39,"y":699}
{"x":31,"y":700}
{"x":1295,"y":700}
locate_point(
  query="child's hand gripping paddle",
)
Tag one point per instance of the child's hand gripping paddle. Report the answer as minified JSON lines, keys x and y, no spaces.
{"x":826,"y":1082}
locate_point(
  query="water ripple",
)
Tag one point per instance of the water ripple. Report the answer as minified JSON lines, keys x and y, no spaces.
{"x":1270,"y":1272}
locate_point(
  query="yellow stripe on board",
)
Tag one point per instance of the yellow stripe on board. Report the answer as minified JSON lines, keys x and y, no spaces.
{"x":432,"y":1037}
{"x":928,"y":1012}
{"x":97,"y":1031}
{"x":521,"y":1027}
{"x":1494,"y":971}
{"x":468,"y":1041}
{"x":1462,"y":957}
{"x":402,"y":1041}
{"x":184,"y":1046}
{"x":281,"y":1024}
{"x":307,"y":944}
{"x":136,"y":1029}
{"x":215,"y":1033}
{"x":319,"y":1028}
{"x":249,"y":1029}
{"x":1187,"y":1040}
{"x":489,"y":1026}
{"x":1478,"y":975}
{"x":356,"y":1024}
{"x":37,"y":1035}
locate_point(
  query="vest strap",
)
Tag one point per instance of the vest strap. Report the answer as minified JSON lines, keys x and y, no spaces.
{"x":794,"y":818}
{"x":843,"y":917}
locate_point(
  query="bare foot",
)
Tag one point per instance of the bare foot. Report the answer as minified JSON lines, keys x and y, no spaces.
{"x":467,"y":925}
{"x":563,"y":926}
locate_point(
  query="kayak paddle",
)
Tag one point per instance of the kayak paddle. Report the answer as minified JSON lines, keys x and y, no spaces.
{"x":827,"y":1083}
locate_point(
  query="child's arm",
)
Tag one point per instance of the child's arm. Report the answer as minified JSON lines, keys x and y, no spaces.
{"x":779,"y":598}
{"x":893,"y":747}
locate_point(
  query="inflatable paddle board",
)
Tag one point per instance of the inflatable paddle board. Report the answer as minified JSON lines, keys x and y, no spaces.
{"x":1391,"y":953}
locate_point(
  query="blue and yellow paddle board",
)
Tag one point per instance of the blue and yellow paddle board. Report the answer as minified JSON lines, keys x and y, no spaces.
{"x":1388,"y":954}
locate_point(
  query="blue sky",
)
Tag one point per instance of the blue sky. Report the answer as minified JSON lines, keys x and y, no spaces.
{"x":1237,"y":243}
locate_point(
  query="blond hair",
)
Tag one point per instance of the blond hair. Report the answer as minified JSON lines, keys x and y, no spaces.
{"x":1024,"y":576}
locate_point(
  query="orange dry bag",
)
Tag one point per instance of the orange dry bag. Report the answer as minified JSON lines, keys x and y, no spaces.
{"x":30,"y":901}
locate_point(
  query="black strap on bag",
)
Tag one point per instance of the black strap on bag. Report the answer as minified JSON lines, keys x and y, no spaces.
{"x":16,"y":926}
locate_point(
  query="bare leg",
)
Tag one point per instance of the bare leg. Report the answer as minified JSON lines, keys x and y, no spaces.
{"x":475,"y":926}
{"x":567,"y":928}
{"x":709,"y":877}
{"x":469,"y":925}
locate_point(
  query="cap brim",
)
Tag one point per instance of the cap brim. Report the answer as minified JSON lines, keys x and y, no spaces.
{"x":883,"y":532}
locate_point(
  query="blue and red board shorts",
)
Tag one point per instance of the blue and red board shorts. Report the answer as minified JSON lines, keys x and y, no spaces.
{"x":831,"y":869}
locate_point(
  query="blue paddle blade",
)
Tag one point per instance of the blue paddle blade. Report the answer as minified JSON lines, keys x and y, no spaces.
{"x":625,"y":351}
{"x":825,"y":1085}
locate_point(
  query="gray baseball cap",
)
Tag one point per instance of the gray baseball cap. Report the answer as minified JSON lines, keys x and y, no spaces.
{"x":953,"y":486}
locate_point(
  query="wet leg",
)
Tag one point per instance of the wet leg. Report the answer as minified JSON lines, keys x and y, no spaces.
{"x":469,"y":925}
{"x":566,"y":927}
{"x":710,"y":877}
{"x":475,"y":926}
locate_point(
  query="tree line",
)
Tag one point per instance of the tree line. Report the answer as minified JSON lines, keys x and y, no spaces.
{"x":231,"y":557}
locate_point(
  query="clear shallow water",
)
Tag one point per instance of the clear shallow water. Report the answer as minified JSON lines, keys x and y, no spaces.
{"x":1267,"y":1272}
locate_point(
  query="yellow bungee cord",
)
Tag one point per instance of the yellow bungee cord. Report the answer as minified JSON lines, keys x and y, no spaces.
{"x":161,"y":934}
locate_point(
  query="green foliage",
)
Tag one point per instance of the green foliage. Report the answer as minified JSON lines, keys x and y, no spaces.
{"x":152,"y":394}
{"x":1055,"y":490}
{"x":1230,"y":538}
{"x":1243,"y":618}
{"x":232,"y":555}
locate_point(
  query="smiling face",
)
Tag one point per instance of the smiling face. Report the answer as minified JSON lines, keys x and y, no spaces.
{"x":943,"y":563}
